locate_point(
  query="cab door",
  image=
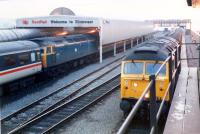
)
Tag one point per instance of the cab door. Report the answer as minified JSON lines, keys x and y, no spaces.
{"x":49,"y":56}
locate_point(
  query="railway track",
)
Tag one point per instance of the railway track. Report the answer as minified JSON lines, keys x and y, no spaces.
{"x":140,"y":124}
{"x":141,"y":127}
{"x":47,"y":122}
{"x":47,"y":103}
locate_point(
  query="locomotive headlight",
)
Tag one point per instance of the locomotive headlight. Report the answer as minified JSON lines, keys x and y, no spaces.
{"x":173,"y":57}
{"x":135,"y":84}
{"x":161,"y":84}
{"x":147,"y":95}
{"x":126,"y":83}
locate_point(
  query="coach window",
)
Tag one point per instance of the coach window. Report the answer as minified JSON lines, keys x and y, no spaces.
{"x":1,"y":64}
{"x":33,"y":57}
{"x":38,"y":56}
{"x":24,"y":59}
{"x":10,"y":60}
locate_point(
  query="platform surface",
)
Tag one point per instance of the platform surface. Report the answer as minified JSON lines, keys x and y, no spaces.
{"x":184,"y":113}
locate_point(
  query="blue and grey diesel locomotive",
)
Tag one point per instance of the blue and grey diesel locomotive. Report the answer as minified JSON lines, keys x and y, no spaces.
{"x":20,"y":59}
{"x":59,"y":50}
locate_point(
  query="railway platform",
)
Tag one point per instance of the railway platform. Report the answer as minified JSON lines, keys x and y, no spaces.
{"x":184,"y":113}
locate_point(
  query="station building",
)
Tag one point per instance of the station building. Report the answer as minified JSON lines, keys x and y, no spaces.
{"x":110,"y":33}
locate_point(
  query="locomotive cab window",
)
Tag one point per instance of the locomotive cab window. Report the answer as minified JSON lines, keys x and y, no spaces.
{"x":33,"y":57}
{"x":133,"y":68}
{"x":152,"y":68}
{"x":48,"y":50}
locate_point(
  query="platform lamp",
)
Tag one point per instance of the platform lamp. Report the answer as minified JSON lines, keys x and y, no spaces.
{"x":189,"y":2}
{"x":193,"y":3}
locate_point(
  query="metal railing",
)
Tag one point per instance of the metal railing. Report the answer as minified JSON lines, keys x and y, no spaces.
{"x":154,"y":113}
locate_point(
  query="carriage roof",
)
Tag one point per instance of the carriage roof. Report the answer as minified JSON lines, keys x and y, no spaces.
{"x":155,"y":49}
{"x":17,"y":46}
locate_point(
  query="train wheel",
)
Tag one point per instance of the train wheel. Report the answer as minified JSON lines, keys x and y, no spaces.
{"x":81,"y":62}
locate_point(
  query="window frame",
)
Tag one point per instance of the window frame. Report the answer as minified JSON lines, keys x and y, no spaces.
{"x":38,"y":56}
{"x":3,"y":62}
{"x":28,"y":61}
{"x":2,"y":67}
{"x":133,"y":73}
{"x":14,"y":57}
{"x":48,"y":50}
{"x":153,"y":62}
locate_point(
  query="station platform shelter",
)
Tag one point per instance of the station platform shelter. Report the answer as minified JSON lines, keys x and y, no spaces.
{"x":107,"y":31}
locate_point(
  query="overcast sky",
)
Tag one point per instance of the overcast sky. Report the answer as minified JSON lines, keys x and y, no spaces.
{"x":114,"y":9}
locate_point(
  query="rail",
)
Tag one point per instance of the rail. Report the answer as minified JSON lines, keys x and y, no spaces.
{"x":58,"y":99}
{"x":154,"y":113}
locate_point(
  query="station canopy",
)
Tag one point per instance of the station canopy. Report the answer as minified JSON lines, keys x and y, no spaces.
{"x":58,"y":21}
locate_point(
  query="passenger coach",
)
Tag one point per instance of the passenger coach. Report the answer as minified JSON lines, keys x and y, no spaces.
{"x":19,"y":59}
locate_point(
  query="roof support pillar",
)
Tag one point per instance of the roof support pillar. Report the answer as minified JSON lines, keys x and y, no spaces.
{"x":124,"y":46}
{"x":137,"y":40}
{"x":115,"y":48}
{"x":131,"y":43}
{"x":100,"y":46}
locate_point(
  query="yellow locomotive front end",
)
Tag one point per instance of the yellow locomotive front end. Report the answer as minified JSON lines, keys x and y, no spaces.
{"x":135,"y":78}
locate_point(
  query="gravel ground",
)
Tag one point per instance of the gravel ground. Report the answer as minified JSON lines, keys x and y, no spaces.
{"x":28,"y":98}
{"x":103,"y":118}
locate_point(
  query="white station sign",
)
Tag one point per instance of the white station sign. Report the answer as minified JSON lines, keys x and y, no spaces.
{"x":58,"y":21}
